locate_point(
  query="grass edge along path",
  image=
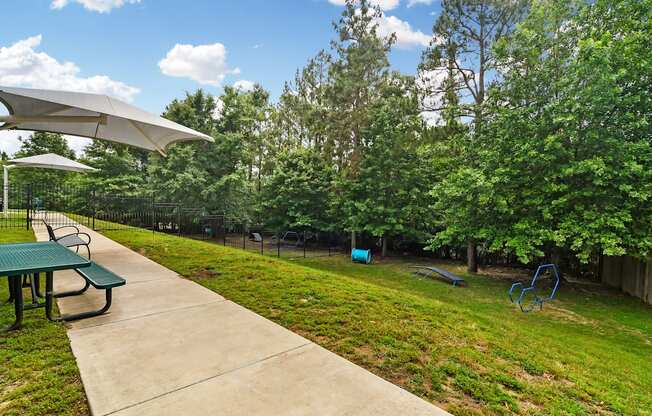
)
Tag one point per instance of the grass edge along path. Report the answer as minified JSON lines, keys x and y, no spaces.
{"x":38,"y":372}
{"x":466,"y":350}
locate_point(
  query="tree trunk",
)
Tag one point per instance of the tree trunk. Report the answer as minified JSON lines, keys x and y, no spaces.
{"x":352,"y":240}
{"x":555,"y":256}
{"x":384,"y":251}
{"x":472,"y":257}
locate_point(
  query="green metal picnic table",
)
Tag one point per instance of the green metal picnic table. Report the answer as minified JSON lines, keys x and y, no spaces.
{"x":21,"y":259}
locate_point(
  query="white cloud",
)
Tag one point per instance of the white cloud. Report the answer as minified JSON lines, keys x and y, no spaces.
{"x":101,"y":6}
{"x":219,"y":109}
{"x":77,"y":143}
{"x":383,"y":4}
{"x":412,"y":3}
{"x":244,"y":85}
{"x":205,"y":64}
{"x":432,"y":89}
{"x":430,"y":84}
{"x":9,"y":142}
{"x":406,"y":37}
{"x":22,"y":65}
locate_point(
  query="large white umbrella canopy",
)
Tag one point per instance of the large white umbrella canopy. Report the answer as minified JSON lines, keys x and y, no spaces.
{"x":45,"y":161}
{"x":90,"y":115}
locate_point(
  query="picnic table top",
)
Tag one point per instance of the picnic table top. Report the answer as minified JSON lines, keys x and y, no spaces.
{"x":24,"y":258}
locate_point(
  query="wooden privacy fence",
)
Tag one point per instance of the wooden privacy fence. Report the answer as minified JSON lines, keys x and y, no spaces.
{"x":632,"y":275}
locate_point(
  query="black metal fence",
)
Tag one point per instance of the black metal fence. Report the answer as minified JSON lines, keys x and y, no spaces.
{"x":30,"y":205}
{"x":286,"y":244}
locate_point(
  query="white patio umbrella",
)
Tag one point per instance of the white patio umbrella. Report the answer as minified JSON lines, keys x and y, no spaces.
{"x":90,"y":115}
{"x":46,"y":161}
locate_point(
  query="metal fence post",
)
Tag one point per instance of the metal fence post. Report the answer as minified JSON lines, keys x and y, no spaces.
{"x":224,"y":230}
{"x":278,"y":245}
{"x":244,"y":241}
{"x":304,"y":244}
{"x":94,"y":202}
{"x":29,"y":206}
{"x":179,"y":219}
{"x":262,"y":243}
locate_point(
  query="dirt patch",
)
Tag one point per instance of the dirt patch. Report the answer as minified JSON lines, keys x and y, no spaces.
{"x":366,"y":352}
{"x":567,"y":315}
{"x":205,"y":274}
{"x":457,"y":402}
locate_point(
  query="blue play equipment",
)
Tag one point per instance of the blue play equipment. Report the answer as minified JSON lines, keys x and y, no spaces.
{"x":430,"y":271}
{"x":361,"y":256}
{"x":538,"y":300}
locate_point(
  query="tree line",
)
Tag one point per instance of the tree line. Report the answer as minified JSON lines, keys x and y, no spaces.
{"x":526,"y":130}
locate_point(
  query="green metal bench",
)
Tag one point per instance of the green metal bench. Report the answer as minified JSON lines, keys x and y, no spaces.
{"x":71,"y":240}
{"x":99,"y":278}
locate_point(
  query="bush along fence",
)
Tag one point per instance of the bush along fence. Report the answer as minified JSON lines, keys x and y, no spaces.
{"x":107,"y":211}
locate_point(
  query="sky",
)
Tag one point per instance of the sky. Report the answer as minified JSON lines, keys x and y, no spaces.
{"x":148,"y":52}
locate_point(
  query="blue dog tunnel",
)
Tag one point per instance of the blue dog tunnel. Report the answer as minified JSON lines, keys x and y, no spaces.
{"x":361,"y":256}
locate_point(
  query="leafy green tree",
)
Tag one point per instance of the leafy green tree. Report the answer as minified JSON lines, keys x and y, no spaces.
{"x":217,"y":176}
{"x":181,"y":176}
{"x":302,"y":116}
{"x":298,"y":192}
{"x":389,"y":196}
{"x":462,"y":49}
{"x":244,"y":114}
{"x":121,"y":170}
{"x":358,"y":71}
{"x":572,"y":154}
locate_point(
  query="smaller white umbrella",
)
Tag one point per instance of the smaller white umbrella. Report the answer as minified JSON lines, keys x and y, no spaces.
{"x":46,"y":161}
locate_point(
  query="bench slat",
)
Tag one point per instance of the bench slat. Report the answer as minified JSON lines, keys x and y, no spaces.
{"x":71,"y":240}
{"x":100,"y":277}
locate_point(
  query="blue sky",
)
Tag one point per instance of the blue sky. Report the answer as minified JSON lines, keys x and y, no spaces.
{"x":151,"y":51}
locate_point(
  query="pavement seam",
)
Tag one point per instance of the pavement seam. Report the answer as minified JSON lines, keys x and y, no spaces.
{"x":148,"y":315}
{"x":269,"y":357}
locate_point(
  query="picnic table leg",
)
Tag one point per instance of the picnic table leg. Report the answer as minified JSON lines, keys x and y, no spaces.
{"x":49,"y":296}
{"x":37,"y":285}
{"x":36,"y":294}
{"x":49,"y":283}
{"x":28,"y":281}
{"x":11,"y":292}
{"x":15,"y":284}
{"x":83,"y":315}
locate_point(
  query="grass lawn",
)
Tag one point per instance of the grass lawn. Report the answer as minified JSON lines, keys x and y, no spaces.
{"x":38,"y":373}
{"x":467,"y":350}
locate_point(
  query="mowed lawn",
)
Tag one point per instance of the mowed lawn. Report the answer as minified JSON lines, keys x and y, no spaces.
{"x":38,"y":373}
{"x":467,"y":350}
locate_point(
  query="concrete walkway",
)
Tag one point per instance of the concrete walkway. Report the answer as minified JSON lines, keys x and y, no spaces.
{"x":172,"y":347}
